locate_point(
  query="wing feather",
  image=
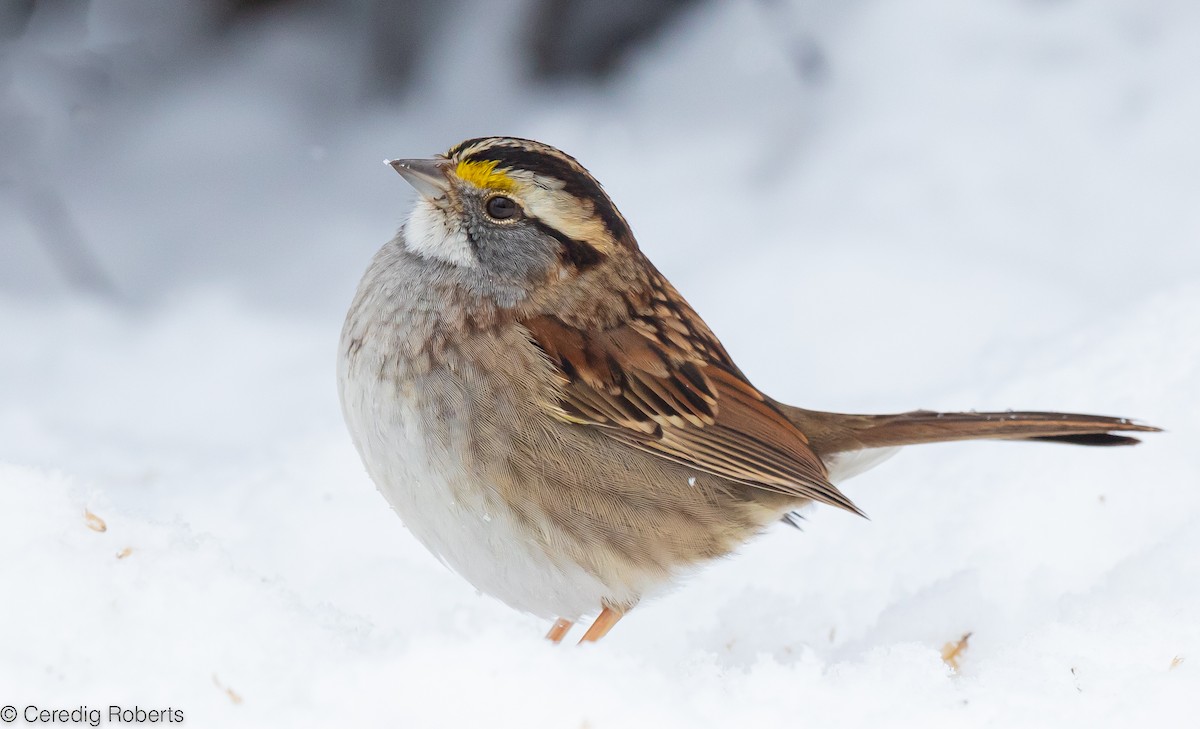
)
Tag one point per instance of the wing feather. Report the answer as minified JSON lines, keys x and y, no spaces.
{"x":662,"y":383}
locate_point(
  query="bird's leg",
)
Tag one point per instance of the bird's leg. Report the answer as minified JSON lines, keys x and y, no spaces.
{"x":559,"y":630}
{"x":603,"y":623}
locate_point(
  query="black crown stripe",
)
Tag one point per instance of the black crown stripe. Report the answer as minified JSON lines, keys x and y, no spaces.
{"x":458,"y":148}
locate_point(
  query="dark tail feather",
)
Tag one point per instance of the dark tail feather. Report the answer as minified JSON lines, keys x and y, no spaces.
{"x":835,"y":432}
{"x":1093,"y":439}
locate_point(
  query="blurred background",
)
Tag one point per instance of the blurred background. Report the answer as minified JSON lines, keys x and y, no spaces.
{"x":147,"y":147}
{"x":150,"y":146}
{"x":876,"y":204}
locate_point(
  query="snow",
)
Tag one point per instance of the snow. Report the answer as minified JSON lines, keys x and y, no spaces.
{"x":980,"y":206}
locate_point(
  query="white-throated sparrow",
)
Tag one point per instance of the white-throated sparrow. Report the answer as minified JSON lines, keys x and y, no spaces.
{"x":554,"y":422}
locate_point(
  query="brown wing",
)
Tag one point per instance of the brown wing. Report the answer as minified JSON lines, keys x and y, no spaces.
{"x":661,"y":382}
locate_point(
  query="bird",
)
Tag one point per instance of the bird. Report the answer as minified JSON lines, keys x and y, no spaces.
{"x":554,"y":422}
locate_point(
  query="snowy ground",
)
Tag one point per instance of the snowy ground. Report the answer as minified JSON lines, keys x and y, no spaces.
{"x":984,"y":207}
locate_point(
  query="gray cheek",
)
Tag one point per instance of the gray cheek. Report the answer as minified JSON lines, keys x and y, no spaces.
{"x":515,"y":252}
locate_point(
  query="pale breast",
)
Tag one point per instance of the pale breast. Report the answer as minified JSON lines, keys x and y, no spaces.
{"x":418,"y":467}
{"x":424,"y":421}
{"x":552,"y":518}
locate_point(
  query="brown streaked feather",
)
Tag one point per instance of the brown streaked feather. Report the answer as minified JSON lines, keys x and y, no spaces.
{"x":663,"y":384}
{"x":836,"y":432}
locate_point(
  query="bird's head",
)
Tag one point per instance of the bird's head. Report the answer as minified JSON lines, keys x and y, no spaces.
{"x":516,"y":212}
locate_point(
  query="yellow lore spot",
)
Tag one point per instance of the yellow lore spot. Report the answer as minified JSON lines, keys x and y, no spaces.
{"x":484,"y":175}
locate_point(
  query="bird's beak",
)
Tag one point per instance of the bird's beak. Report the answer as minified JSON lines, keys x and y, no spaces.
{"x":428,"y":176}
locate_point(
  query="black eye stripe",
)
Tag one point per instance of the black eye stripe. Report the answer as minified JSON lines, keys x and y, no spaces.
{"x":579,"y":254}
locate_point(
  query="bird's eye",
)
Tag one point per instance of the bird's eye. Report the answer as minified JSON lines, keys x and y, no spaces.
{"x":501,"y":208}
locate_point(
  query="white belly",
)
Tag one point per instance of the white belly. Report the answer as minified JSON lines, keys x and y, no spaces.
{"x":423,"y":476}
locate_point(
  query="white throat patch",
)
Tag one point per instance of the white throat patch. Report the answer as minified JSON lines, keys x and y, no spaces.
{"x":431,"y":233}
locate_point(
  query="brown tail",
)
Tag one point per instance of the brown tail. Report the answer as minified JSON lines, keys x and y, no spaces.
{"x":835,"y":433}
